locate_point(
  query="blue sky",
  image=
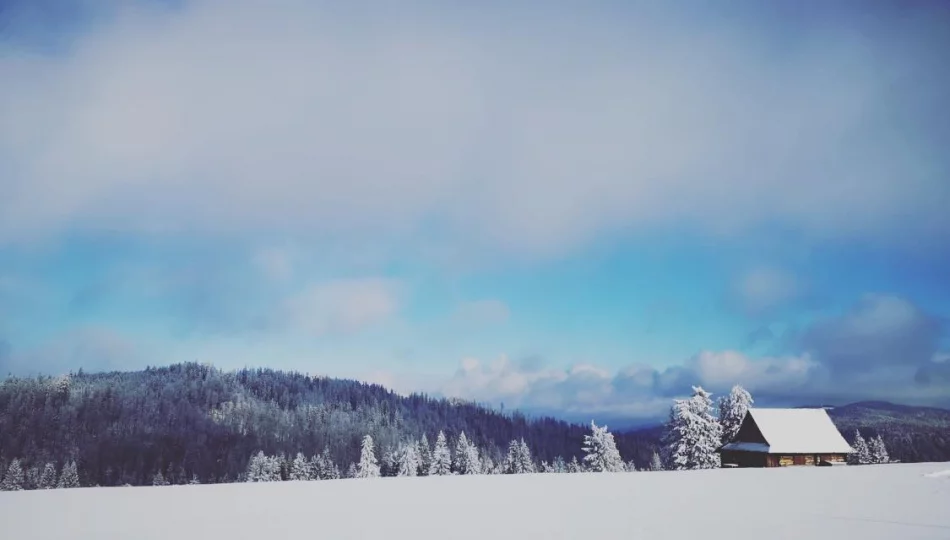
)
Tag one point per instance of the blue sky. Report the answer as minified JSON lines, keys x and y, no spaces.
{"x":572,"y":211}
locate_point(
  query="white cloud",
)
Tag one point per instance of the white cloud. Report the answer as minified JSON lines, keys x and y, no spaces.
{"x":343,"y":306}
{"x":636,"y":392}
{"x":229,"y":117}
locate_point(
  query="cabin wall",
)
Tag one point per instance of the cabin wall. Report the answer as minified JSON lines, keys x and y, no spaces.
{"x":743,"y":459}
{"x":758,"y":459}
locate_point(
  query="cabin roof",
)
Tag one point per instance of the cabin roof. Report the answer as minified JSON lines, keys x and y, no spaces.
{"x":793,"y":431}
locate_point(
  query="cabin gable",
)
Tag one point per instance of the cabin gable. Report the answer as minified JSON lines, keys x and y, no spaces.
{"x":749,"y":431}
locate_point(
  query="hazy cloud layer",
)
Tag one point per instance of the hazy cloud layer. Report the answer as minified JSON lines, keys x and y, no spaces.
{"x":229,"y":117}
{"x":482,"y":312}
{"x":343,"y":306}
{"x":90,"y":348}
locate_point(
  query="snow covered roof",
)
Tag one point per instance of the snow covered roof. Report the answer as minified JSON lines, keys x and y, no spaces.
{"x":794,"y":431}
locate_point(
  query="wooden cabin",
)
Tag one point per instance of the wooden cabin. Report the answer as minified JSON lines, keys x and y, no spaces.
{"x":785,"y":437}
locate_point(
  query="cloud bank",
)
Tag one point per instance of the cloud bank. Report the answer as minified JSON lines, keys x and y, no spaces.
{"x":298,"y":117}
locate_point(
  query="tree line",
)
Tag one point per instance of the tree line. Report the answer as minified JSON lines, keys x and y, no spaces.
{"x":192,"y":423}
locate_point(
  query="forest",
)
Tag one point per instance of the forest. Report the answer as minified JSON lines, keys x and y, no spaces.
{"x":195,"y":423}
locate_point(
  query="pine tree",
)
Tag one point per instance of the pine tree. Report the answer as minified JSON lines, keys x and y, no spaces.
{"x":368,"y":467}
{"x":518,"y":460}
{"x":574,"y":466}
{"x":441,"y":458}
{"x":408,"y":461}
{"x":732,"y":411}
{"x":194,"y":480}
{"x":527,"y":462}
{"x":159,"y":479}
{"x":559,"y":466}
{"x":693,"y":435}
{"x":14,"y":479}
{"x":878,"y":451}
{"x":351,"y":471}
{"x":255,"y":467}
{"x":69,"y":477}
{"x":861,"y":454}
{"x":630,"y":466}
{"x":300,"y":468}
{"x":466,"y":457}
{"x":424,"y":456}
{"x":600,"y":450}
{"x":32,"y":478}
{"x":656,"y":464}
{"x":48,"y":478}
{"x":325,"y":468}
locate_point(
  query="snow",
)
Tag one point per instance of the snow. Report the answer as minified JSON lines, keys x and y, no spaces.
{"x":868,"y":502}
{"x":799,"y":431}
{"x":938,"y":474}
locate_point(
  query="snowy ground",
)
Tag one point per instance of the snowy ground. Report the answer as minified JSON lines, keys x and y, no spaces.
{"x":869,"y":502}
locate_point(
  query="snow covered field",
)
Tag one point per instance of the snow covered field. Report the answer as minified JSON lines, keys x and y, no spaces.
{"x":869,"y":502}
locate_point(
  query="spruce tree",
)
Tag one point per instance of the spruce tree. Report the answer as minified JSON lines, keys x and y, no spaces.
{"x":878,"y":451}
{"x":656,"y":464}
{"x":300,"y":468}
{"x":559,"y":466}
{"x":693,"y":435}
{"x":368,"y":466}
{"x":441,"y":458}
{"x":408,"y":461}
{"x":466,"y":457}
{"x":48,"y":478}
{"x":732,"y":411}
{"x":14,"y":478}
{"x":424,"y":456}
{"x":159,"y":480}
{"x":861,"y":454}
{"x":69,"y":477}
{"x":32,"y":478}
{"x":524,"y":454}
{"x":600,"y":451}
{"x":574,"y":466}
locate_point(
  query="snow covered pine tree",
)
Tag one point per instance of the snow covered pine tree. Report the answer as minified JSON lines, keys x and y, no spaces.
{"x":14,"y":478}
{"x":466,"y":457}
{"x":441,"y":458}
{"x":48,"y":478}
{"x":693,"y":434}
{"x":300,"y":469}
{"x":656,"y":464}
{"x":368,"y":467}
{"x":861,"y":454}
{"x":878,"y":452}
{"x":69,"y":477}
{"x":408,"y":461}
{"x":732,"y":410}
{"x":600,"y":450}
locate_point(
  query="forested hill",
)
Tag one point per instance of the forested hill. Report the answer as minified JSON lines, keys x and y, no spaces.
{"x":912,"y":434}
{"x":194,"y":420}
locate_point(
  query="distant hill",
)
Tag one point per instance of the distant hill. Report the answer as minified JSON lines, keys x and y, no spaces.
{"x":191,"y":419}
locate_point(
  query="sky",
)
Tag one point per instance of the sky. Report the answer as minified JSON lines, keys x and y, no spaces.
{"x":573,"y":210}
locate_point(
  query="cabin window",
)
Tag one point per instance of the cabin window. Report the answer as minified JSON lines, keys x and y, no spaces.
{"x":809,"y":460}
{"x":785,"y":461}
